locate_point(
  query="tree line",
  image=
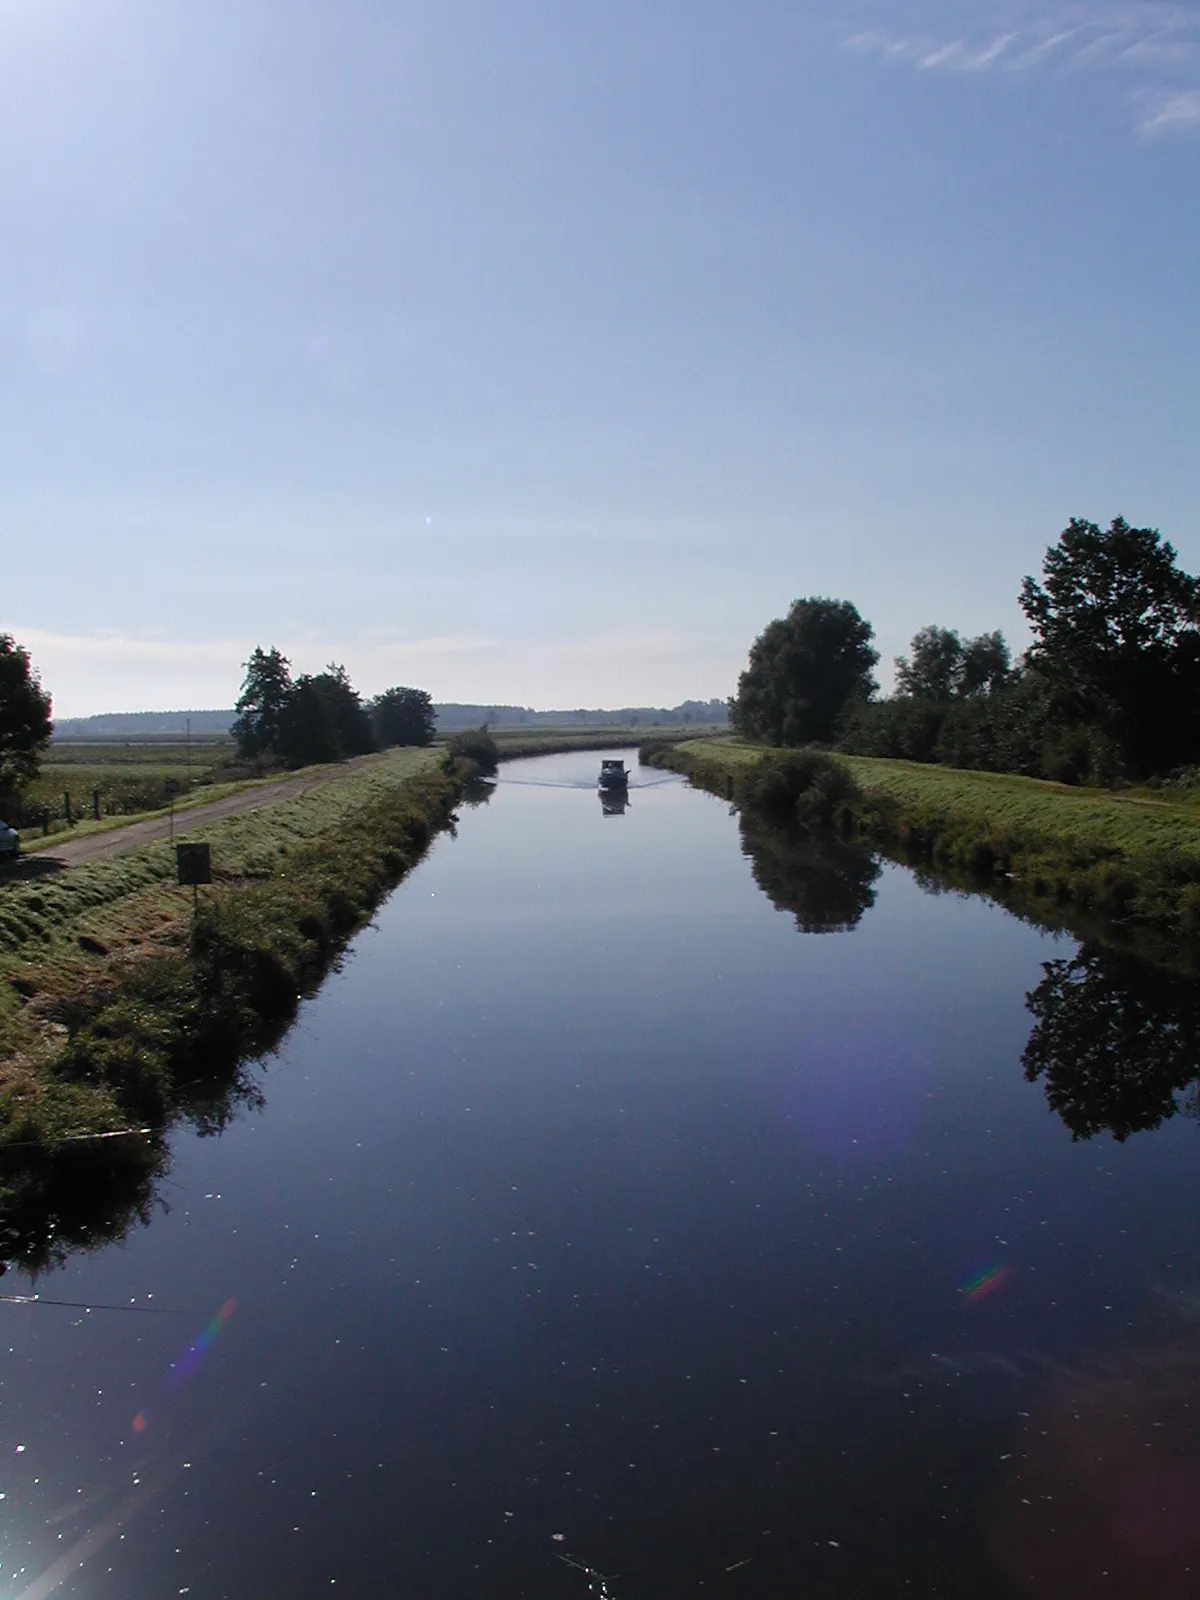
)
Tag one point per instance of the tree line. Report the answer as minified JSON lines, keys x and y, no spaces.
{"x":1108,"y":691}
{"x":320,"y":716}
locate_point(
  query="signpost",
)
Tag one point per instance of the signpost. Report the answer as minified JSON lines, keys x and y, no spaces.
{"x":193,"y":864}
{"x":172,"y":788}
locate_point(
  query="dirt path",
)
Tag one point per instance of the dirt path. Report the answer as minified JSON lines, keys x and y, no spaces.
{"x":76,"y":852}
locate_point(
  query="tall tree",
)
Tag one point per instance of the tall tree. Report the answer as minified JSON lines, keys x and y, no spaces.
{"x":804,"y":668}
{"x":934,"y":666}
{"x":941,"y":666}
{"x":403,"y":716}
{"x":307,"y":731}
{"x":986,"y":664}
{"x":1116,"y":640}
{"x":25,"y":725}
{"x":266,"y":690}
{"x":351,"y":722}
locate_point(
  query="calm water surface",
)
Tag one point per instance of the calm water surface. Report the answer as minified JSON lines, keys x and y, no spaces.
{"x":599,"y":1221}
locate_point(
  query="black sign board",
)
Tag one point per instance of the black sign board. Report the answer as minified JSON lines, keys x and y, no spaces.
{"x":172,"y":786}
{"x":193,"y":863}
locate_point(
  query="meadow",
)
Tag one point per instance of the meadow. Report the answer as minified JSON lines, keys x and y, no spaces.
{"x":123,"y":779}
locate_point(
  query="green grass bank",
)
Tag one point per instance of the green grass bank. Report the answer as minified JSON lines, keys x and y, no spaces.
{"x":120,"y":1003}
{"x":1122,"y":866}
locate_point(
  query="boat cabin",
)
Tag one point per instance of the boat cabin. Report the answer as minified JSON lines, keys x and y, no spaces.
{"x":613,"y":775}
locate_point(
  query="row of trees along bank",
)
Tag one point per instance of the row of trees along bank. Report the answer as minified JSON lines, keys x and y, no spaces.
{"x":320,"y":717}
{"x":1108,"y":691}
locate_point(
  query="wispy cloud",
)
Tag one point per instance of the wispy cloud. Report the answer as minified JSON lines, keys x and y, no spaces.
{"x":1153,"y":48}
{"x":1177,"y":113}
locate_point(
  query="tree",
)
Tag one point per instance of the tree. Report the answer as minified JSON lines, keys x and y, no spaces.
{"x":266,"y":689}
{"x":323,"y":720}
{"x":351,"y":723}
{"x":943,"y":667}
{"x":986,"y":664}
{"x":933,"y":669}
{"x":403,"y":716}
{"x":804,"y":668}
{"x":307,"y":732}
{"x":25,"y":725}
{"x":1116,"y":640}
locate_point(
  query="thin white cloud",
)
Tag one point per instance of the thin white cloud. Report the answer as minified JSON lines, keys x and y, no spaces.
{"x":1178,"y":113}
{"x":947,"y":55}
{"x":989,"y":54}
{"x":1153,"y":48}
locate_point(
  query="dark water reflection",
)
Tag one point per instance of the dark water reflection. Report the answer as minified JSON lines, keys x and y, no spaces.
{"x":828,"y":883}
{"x":1116,"y":1043}
{"x":596,"y":1213}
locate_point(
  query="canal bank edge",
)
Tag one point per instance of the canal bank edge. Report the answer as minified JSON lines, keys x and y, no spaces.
{"x":1122,"y":868}
{"x":118,"y":996}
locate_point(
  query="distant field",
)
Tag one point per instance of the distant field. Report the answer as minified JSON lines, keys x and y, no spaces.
{"x":129,"y":777}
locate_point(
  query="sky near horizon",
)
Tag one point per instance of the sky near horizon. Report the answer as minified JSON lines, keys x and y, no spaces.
{"x":543,"y":352}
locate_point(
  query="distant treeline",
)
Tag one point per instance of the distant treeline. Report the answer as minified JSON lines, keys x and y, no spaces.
{"x":450,"y":718}
{"x":143,"y":724}
{"x":702,"y":712}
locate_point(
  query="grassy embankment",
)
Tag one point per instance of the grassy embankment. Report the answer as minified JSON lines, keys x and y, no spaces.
{"x":115,"y":998}
{"x":1120,"y":865}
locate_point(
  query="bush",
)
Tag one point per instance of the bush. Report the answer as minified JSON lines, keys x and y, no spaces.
{"x":807,"y":787}
{"x":473,"y":744}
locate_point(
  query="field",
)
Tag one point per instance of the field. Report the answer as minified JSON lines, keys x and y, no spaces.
{"x":1061,"y":854}
{"x":123,"y":779}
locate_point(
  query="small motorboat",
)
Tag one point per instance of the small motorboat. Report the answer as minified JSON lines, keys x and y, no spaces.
{"x":613,"y":776}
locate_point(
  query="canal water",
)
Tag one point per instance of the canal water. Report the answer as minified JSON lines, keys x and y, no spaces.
{"x":642,"y":1210}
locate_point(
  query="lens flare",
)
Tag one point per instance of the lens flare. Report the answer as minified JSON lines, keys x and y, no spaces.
{"x":984,"y":1283}
{"x":183,"y":1369}
{"x":200,"y":1347}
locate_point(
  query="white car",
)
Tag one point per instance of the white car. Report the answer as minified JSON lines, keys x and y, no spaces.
{"x":10,"y":841}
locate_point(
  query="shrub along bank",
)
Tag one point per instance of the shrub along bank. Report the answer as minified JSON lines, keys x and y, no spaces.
{"x":1125,"y":866}
{"x":116,"y":999}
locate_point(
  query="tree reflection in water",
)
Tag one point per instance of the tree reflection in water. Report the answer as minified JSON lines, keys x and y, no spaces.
{"x":89,"y":1193}
{"x":1116,"y":1041}
{"x":81,"y":1197}
{"x":828,"y":883}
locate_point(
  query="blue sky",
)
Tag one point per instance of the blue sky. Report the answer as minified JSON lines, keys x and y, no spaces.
{"x":543,"y":352}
